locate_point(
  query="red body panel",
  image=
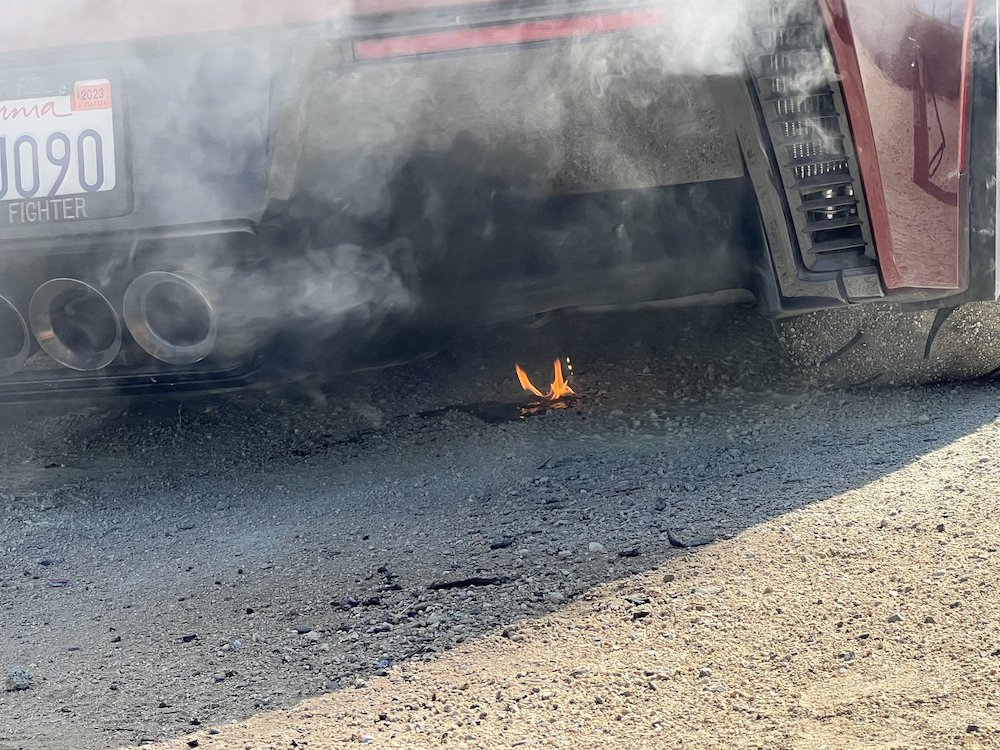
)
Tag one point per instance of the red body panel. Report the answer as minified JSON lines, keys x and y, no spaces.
{"x":903,"y":68}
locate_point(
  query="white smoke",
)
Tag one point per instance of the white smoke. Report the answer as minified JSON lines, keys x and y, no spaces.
{"x":359,"y":144}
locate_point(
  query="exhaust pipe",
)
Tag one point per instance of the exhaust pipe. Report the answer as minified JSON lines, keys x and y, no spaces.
{"x":75,"y":324}
{"x":171,"y":317}
{"x":15,"y":339}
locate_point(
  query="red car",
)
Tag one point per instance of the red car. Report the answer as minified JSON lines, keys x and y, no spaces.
{"x":192,"y":193}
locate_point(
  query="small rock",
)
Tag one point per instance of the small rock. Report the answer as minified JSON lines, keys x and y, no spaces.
{"x":924,"y":419}
{"x":564,"y":554}
{"x":660,"y":505}
{"x":929,"y":620}
{"x":302,"y":629}
{"x":555,"y":597}
{"x":17,"y":679}
{"x":704,"y":672}
{"x":706,"y":590}
{"x":954,"y":605}
{"x":218,"y":677}
{"x":895,"y":617}
{"x":502,"y":543}
{"x":597,"y":548}
{"x":940,"y":527}
{"x":629,"y":552}
{"x":669,"y":578}
{"x":312,"y":635}
{"x":847,"y":655}
{"x":972,"y":728}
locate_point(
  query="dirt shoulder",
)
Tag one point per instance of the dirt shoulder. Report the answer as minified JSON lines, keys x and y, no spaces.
{"x":868,"y":620}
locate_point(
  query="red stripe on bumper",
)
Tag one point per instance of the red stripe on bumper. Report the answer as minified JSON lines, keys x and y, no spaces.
{"x":497,"y":36}
{"x":963,"y":144}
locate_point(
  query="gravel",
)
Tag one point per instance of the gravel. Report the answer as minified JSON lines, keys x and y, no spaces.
{"x":359,"y":563}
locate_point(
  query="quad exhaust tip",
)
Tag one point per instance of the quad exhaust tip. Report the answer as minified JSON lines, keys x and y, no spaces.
{"x":170,"y":317}
{"x":15,"y":339}
{"x":75,"y":324}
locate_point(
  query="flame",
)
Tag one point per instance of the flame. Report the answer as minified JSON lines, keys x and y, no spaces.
{"x":558,"y":390}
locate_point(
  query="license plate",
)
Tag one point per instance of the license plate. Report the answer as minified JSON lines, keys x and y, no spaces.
{"x":58,"y":154}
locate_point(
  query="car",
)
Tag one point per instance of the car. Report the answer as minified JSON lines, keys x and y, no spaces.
{"x":198,"y":196}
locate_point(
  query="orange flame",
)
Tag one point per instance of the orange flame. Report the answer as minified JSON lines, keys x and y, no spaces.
{"x":558,"y":390}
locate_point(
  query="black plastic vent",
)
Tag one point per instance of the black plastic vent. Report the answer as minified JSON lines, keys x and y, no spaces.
{"x":803,"y":108}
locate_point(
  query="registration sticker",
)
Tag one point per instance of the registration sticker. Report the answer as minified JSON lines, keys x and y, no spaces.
{"x":91,"y":95}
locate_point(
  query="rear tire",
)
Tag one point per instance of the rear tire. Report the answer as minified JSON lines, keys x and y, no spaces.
{"x":881,"y":344}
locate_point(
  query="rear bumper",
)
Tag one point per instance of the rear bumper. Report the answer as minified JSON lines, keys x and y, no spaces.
{"x":502,"y":180}
{"x":423,"y":169}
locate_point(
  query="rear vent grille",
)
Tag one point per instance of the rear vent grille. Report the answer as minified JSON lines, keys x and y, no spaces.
{"x":803,"y":108}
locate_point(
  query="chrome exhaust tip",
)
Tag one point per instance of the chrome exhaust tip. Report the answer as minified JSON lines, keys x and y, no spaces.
{"x":170,"y":317}
{"x":75,"y":324}
{"x":15,"y":339}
